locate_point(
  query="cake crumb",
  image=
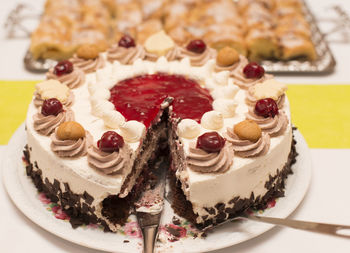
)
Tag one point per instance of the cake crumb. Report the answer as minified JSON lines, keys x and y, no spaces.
{"x":176,"y":220}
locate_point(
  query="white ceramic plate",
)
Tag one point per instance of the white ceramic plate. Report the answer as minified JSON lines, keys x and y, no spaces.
{"x":25,"y":196}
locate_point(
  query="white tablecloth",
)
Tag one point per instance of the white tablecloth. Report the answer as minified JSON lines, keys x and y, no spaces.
{"x":326,"y":201}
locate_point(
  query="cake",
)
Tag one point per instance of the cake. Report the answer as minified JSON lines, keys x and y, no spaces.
{"x":96,"y":131}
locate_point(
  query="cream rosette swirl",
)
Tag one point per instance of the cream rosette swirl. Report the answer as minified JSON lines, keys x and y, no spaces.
{"x":197,"y":59}
{"x":227,"y":68}
{"x":240,"y":79}
{"x":47,"y":124}
{"x":109,"y":163}
{"x":227,"y":59}
{"x":171,"y":55}
{"x":151,"y":57}
{"x":274,"y":126}
{"x":38,"y":100}
{"x":247,"y":148}
{"x":125,"y":55}
{"x":70,"y":148}
{"x":73,"y":79}
{"x":204,"y":162}
{"x":88,"y":65}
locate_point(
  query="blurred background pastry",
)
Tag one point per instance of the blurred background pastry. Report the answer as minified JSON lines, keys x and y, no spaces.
{"x":258,"y":29}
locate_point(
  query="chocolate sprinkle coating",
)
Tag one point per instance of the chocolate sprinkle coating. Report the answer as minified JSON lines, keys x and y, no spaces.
{"x":78,"y":206}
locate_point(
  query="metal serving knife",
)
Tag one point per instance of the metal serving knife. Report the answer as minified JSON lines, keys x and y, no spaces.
{"x":318,"y":227}
{"x":149,"y":211}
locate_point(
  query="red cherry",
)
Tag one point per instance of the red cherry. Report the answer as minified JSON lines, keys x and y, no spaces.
{"x":253,"y":70}
{"x":266,"y":107}
{"x":210,"y":142}
{"x":51,"y":106}
{"x":63,"y":67}
{"x":126,"y":41}
{"x":110,"y":142}
{"x":196,"y":46}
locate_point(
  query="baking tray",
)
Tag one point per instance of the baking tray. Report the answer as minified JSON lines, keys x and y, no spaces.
{"x":37,"y":65}
{"x":324,"y":64}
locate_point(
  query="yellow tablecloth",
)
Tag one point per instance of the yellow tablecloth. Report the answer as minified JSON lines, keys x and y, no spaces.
{"x":321,"y":112}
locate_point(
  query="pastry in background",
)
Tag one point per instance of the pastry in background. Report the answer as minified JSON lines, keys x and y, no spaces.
{"x":52,"y":39}
{"x":296,"y":4}
{"x":262,"y":44}
{"x":128,"y":17}
{"x":220,"y":36}
{"x":296,"y":47}
{"x":175,"y":15}
{"x":147,"y":28}
{"x":66,"y":25}
{"x":180,"y":35}
{"x":152,"y":9}
{"x":258,"y":29}
{"x":258,"y":16}
{"x":294,"y":24}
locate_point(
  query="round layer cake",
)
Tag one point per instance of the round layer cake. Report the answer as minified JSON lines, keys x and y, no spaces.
{"x":97,"y":127}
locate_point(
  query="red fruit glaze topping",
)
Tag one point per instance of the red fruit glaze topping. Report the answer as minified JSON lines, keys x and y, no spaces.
{"x":51,"y":106}
{"x":210,"y":142}
{"x":196,"y":46}
{"x":126,"y":41}
{"x":266,"y":107}
{"x":62,"y":68}
{"x":253,"y":70}
{"x":110,"y":142}
{"x":139,"y":98}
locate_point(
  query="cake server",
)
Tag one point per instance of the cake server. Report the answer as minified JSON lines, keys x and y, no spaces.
{"x":318,"y":227}
{"x":149,"y":211}
{"x":37,"y":65}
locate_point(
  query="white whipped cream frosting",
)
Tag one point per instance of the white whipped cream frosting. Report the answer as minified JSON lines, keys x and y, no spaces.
{"x":188,"y":128}
{"x":212,"y":120}
{"x":226,"y":106}
{"x":113,"y":119}
{"x":132,"y":131}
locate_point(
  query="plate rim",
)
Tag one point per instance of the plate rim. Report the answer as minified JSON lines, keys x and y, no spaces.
{"x":11,"y":191}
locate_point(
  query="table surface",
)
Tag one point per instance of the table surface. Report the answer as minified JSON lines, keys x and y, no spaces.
{"x":324,"y":202}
